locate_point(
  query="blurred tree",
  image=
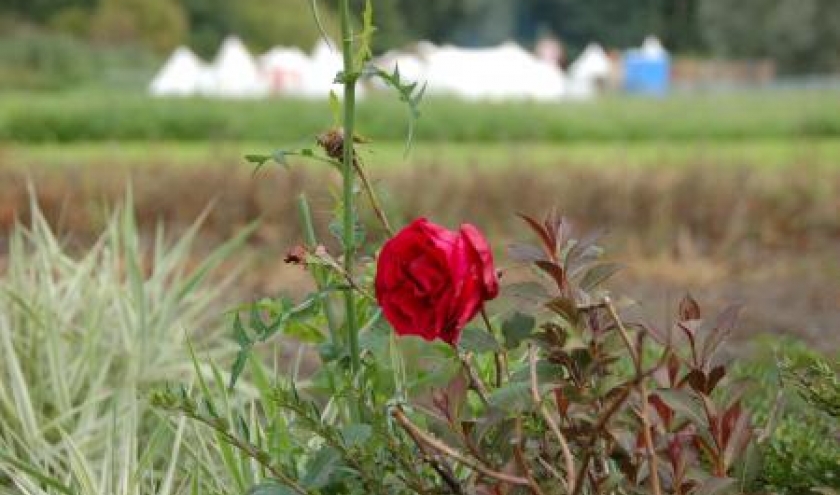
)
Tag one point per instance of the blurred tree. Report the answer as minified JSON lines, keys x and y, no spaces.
{"x":157,"y":24}
{"x":678,"y":26}
{"x":73,"y":20}
{"x":40,"y":11}
{"x":210,"y":21}
{"x":266,"y":23}
{"x":800,"y":35}
{"x":392,"y":29}
{"x":609,"y":22}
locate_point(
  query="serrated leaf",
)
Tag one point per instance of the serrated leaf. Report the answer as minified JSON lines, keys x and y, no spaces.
{"x":478,"y":340}
{"x":517,"y":328}
{"x":408,"y":93}
{"x":365,"y":53}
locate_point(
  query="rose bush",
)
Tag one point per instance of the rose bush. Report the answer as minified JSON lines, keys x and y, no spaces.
{"x":431,"y":281}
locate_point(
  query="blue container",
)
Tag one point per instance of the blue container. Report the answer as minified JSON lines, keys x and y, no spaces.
{"x":647,"y":75}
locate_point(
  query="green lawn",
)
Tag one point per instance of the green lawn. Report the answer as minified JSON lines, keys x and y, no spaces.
{"x":750,"y":152}
{"x":81,"y":117}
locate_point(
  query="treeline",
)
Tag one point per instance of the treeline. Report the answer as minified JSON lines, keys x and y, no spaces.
{"x":802,"y":36}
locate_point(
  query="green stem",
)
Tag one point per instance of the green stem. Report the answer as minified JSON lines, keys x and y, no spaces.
{"x":347,"y":173}
{"x":318,"y":272}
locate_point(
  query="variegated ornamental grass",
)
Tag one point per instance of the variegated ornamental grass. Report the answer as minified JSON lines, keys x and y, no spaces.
{"x":83,"y":339}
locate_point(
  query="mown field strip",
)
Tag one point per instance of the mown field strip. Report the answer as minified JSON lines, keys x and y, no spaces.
{"x":761,"y":153}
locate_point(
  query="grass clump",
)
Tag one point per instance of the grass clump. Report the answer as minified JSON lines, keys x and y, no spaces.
{"x":83,"y":339}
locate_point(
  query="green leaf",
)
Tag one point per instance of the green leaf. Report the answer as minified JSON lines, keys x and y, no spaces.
{"x":335,"y":108}
{"x":320,"y":468}
{"x":238,"y":366}
{"x":684,"y":404}
{"x":408,"y":93}
{"x":304,"y":332}
{"x":336,"y":228}
{"x":598,"y":274}
{"x":517,"y":328}
{"x":478,"y":340}
{"x":365,"y":53}
{"x":356,"y":434}
{"x":270,"y":488}
{"x":715,"y":486}
{"x":513,"y":397}
{"x":258,"y":160}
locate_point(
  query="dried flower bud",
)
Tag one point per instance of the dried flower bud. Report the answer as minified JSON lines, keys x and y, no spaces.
{"x":296,"y":255}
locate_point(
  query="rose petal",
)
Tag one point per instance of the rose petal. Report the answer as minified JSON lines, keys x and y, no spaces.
{"x":480,"y":249}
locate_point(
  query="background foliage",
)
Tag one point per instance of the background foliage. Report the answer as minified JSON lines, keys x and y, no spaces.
{"x":800,"y":35}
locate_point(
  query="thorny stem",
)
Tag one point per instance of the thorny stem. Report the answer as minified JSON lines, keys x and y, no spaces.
{"x":475,"y":381}
{"x":345,"y":275}
{"x":318,"y":273}
{"x":498,"y":356}
{"x":421,"y":437}
{"x":523,"y":463}
{"x":372,"y":197}
{"x":650,"y":451}
{"x":348,"y":182}
{"x":251,"y":451}
{"x":568,"y":460}
{"x":442,"y":468}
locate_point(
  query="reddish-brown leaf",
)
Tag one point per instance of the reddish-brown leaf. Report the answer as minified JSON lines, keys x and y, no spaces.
{"x":547,"y":238}
{"x":715,"y":376}
{"x":525,"y":253}
{"x":689,"y":309}
{"x":555,"y":271}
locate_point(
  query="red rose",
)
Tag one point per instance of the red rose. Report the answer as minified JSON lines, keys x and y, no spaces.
{"x":431,"y":281}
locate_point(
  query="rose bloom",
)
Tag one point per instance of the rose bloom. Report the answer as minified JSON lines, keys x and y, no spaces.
{"x":431,"y":281}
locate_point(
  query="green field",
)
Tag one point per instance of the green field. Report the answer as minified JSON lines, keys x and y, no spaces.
{"x":765,"y":153}
{"x":85,"y":117}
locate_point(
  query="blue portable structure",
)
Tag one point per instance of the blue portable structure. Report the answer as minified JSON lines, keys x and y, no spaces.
{"x":647,"y":70}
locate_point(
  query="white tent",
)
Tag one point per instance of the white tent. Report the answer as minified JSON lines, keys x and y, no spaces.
{"x":326,"y":64}
{"x":591,"y":70}
{"x":285,"y":70}
{"x":652,"y":48}
{"x":502,"y":72}
{"x":183,"y":74}
{"x":235,"y":72}
{"x":592,"y":64}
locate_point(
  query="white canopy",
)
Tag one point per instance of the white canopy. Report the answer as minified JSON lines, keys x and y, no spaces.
{"x":592,"y":64}
{"x":235,"y":72}
{"x":183,"y":74}
{"x":285,"y":70}
{"x":503,"y":72}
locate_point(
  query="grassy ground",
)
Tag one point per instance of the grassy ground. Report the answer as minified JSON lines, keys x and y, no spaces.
{"x":762,"y":153}
{"x":29,"y":117}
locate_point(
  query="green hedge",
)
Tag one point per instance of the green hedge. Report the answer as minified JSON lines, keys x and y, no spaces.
{"x":91,"y":116}
{"x":802,"y":451}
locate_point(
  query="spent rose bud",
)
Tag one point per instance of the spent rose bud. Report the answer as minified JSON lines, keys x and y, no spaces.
{"x":431,"y":281}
